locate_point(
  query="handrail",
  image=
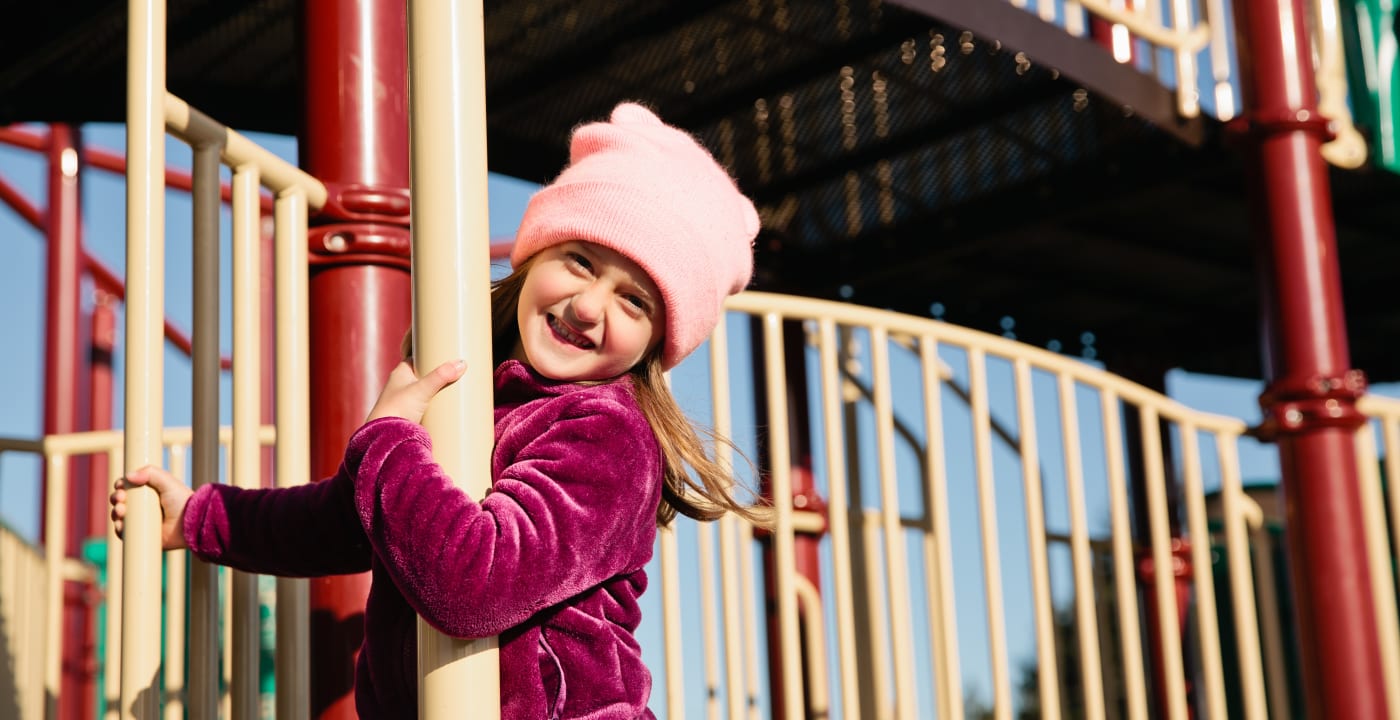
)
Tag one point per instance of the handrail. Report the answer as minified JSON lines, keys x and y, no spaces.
{"x":277,"y":174}
{"x":1193,"y":40}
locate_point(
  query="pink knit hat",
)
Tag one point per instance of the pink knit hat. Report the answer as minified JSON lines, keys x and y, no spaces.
{"x":651,"y":192}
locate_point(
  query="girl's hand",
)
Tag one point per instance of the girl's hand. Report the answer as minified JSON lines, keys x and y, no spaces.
{"x":173,"y":496}
{"x":405,"y":395}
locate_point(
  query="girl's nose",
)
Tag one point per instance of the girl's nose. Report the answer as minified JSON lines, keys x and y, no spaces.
{"x":588,"y":304}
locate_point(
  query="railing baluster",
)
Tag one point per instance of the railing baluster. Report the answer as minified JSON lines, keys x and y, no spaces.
{"x":897,"y":584}
{"x":1123,"y":564}
{"x":1208,"y":630}
{"x":1378,"y":548}
{"x":1086,"y":617}
{"x":55,"y":549}
{"x":1163,"y":570}
{"x":175,"y":608}
{"x":735,"y":690}
{"x":837,"y":510}
{"x":674,"y":679}
{"x":293,"y":454}
{"x":1044,"y":608}
{"x":987,"y":518}
{"x":938,"y":545}
{"x":783,"y":539}
{"x":1241,"y":579}
{"x":247,"y":460}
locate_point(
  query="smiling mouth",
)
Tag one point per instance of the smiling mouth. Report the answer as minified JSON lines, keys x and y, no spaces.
{"x":567,"y":334}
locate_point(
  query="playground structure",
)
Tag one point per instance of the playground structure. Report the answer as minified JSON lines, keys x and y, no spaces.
{"x":866,"y":619}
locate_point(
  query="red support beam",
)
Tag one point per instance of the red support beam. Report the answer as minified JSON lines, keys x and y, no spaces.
{"x":15,"y":198}
{"x":355,"y":139}
{"x":1310,"y":401}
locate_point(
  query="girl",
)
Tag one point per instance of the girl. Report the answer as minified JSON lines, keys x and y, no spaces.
{"x":621,"y":267}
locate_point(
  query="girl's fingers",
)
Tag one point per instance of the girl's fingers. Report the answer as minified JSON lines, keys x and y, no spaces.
{"x":442,"y":376}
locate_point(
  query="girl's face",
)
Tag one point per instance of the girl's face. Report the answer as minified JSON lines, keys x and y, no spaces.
{"x":586,"y":313}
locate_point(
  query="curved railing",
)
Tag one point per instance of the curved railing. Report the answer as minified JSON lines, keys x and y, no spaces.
{"x":972,"y":485}
{"x":899,"y":533}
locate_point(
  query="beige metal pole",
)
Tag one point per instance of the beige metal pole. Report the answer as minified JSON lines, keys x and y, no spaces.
{"x":1091,"y":667}
{"x":176,"y":649}
{"x":987,"y":519}
{"x":674,"y":682}
{"x":1207,"y":630}
{"x":735,"y":689}
{"x":938,"y":549}
{"x":1163,"y":574}
{"x":145,"y":314}
{"x":1129,"y":633}
{"x":55,"y":548}
{"x":112,"y":663}
{"x":1241,"y":580}
{"x":789,"y":645}
{"x":202,"y":700}
{"x":293,"y":460}
{"x":897,"y":586}
{"x":1043,"y":605}
{"x":247,"y":414}
{"x":838,"y":509}
{"x":451,"y":280}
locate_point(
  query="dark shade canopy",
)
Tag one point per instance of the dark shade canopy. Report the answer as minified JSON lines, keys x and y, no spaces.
{"x":957,"y":156}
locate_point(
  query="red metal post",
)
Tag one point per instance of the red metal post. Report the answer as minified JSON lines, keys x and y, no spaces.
{"x":1310,"y":400}
{"x":355,"y":139}
{"x":103,"y":341}
{"x":64,"y":223}
{"x":1101,"y":31}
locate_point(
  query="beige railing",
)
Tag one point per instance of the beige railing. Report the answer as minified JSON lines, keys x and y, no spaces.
{"x":151,"y":111}
{"x":1377,"y":502}
{"x":1187,"y":30}
{"x":30,"y":590}
{"x":25,"y":689}
{"x":901,"y":545}
{"x":955,"y":465}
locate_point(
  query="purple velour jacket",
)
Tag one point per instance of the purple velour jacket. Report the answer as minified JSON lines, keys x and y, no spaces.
{"x":552,"y":559}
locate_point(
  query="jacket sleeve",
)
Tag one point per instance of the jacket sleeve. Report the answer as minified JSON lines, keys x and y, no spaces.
{"x":304,"y":531}
{"x":571,"y":511}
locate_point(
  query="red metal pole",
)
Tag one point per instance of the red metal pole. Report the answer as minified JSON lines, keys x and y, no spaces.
{"x":355,"y":139}
{"x":1101,"y":31}
{"x":64,"y":225}
{"x":103,"y":345}
{"x":1310,"y":400}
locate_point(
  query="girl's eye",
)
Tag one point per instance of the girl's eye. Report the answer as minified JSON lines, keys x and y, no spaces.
{"x":637,"y":302}
{"x":579,"y":260}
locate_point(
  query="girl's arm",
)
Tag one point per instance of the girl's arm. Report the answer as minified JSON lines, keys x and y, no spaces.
{"x":576,"y":507}
{"x":302,"y":531}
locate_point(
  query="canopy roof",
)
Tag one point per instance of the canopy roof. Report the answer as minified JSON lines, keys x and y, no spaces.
{"x":957,"y":158}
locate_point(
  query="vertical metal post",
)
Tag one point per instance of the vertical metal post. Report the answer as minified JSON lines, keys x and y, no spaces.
{"x":355,"y":139}
{"x":103,"y":341}
{"x":804,"y":492}
{"x":145,"y":367}
{"x":451,"y":308}
{"x":64,"y":228}
{"x":1309,"y":403}
{"x":203,"y":672}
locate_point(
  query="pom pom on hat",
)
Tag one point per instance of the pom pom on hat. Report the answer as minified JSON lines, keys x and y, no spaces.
{"x":651,"y":192}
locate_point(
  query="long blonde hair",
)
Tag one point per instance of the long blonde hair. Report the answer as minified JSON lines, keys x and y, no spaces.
{"x":695,"y":483}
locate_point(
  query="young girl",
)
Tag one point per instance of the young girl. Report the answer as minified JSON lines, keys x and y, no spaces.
{"x":620,"y":269}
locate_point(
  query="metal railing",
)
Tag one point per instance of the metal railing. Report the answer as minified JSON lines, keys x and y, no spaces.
{"x":987,"y":491}
{"x":893,"y":543}
{"x":1194,"y":35}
